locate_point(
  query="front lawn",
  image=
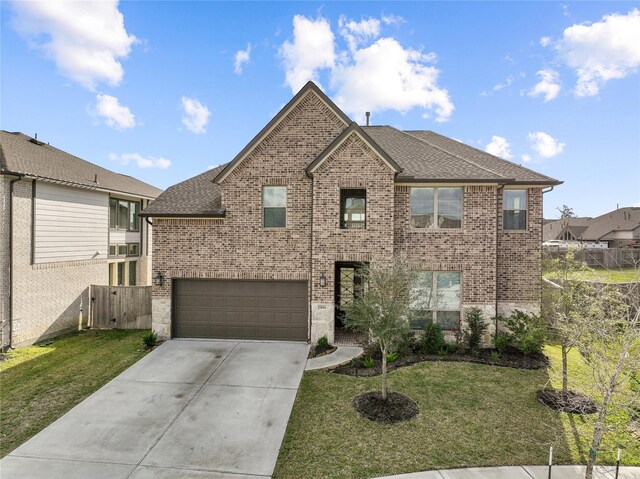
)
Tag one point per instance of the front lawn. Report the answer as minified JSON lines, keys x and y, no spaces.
{"x":41,"y":383}
{"x":470,"y":415}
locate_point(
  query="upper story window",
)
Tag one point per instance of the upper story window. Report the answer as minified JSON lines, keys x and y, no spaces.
{"x":514,"y":205}
{"x":353,"y":209}
{"x":274,"y":206}
{"x":123,"y":214}
{"x":436,"y":207}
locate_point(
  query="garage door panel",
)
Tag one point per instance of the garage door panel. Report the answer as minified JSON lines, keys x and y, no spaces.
{"x":240,"y":309}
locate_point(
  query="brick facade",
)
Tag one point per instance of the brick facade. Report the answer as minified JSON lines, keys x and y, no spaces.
{"x":238,"y":247}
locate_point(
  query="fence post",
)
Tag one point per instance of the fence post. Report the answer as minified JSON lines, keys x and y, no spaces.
{"x":550,"y":460}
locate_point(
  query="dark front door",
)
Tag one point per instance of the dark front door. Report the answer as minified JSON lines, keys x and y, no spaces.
{"x":348,"y":286}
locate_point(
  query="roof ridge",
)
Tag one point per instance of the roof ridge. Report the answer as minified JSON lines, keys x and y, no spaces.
{"x":453,"y":154}
{"x":487,"y":153}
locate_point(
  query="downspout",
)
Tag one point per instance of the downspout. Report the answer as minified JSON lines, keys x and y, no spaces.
{"x":499,"y":190}
{"x":11,"y":259}
{"x":310,"y":267}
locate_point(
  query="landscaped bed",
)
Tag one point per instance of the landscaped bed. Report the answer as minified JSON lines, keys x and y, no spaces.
{"x":40,"y":383}
{"x":469,"y":415}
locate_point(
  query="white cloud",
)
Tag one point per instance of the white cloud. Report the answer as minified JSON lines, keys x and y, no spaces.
{"x":116,"y":115}
{"x":526,"y":158}
{"x":357,"y":33}
{"x":141,"y":161}
{"x":545,"y":41}
{"x":391,"y":19}
{"x":387,"y":76}
{"x":508,"y":82}
{"x":544,"y":145}
{"x":499,"y":146}
{"x":196,"y":115}
{"x":86,"y":40}
{"x":242,"y":57}
{"x":549,"y":85}
{"x":602,"y":51}
{"x":311,"y":50}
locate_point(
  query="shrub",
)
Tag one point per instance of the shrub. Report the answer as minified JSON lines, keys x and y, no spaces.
{"x":406,"y":343}
{"x":323,"y":343}
{"x":529,"y":331}
{"x":495,"y":356}
{"x":432,"y":340}
{"x":476,"y":328}
{"x":503,"y":341}
{"x":368,"y":362}
{"x":391,"y":357}
{"x":149,"y":339}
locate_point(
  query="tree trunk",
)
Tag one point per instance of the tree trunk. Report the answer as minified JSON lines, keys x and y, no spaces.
{"x":384,"y":375}
{"x":598,"y":434}
{"x":565,"y":380}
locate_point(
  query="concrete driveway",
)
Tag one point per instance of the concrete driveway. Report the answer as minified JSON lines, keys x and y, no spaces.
{"x":189,"y":409}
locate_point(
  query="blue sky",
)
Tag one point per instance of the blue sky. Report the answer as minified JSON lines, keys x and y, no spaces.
{"x":162,"y":91}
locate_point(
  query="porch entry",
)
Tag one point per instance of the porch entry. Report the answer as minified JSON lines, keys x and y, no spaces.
{"x":348,"y":285}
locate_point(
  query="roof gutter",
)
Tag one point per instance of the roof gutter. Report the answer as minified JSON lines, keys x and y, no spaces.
{"x":11,"y":182}
{"x":182,"y":215}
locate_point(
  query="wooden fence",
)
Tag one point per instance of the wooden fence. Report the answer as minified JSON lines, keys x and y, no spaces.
{"x":603,"y":258}
{"x":120,"y":307}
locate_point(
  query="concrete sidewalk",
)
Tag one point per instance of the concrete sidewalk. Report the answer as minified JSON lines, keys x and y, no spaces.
{"x":522,"y":472}
{"x":342,"y":355}
{"x":189,"y":409}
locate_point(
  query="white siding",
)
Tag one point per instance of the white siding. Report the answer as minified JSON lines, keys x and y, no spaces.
{"x":70,"y":224}
{"x":122,"y":237}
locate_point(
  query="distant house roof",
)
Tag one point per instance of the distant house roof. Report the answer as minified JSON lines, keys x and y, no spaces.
{"x":417,"y":156}
{"x":23,"y":155}
{"x":598,"y":228}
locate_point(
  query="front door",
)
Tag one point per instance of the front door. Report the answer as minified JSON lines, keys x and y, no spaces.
{"x":348,"y":286}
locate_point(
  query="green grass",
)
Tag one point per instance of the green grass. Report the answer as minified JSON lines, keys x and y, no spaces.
{"x":470,"y":415}
{"x":41,"y":383}
{"x":619,"y":275}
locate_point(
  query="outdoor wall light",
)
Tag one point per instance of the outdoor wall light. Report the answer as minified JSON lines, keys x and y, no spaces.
{"x":158,"y":280}
{"x":323,"y":280}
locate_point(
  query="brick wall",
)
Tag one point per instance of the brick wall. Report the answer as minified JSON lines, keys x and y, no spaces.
{"x":4,"y":261}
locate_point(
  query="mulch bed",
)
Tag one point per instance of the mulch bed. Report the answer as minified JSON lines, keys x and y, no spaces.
{"x":315,"y":352}
{"x":509,"y":360}
{"x":571,"y":401}
{"x":396,"y":408}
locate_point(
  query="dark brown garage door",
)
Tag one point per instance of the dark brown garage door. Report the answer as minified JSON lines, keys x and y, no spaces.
{"x":240,"y":309}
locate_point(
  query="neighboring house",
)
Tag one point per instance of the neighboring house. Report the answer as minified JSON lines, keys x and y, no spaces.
{"x":66,"y":224}
{"x":270,"y":245}
{"x":618,"y":229}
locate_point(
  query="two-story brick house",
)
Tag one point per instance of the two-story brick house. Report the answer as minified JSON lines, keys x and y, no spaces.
{"x":65,"y":224}
{"x":269,"y":245}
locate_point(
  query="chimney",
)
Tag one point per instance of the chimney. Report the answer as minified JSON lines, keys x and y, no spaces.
{"x":367,"y":114}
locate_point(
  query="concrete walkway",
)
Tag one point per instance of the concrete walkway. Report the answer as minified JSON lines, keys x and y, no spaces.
{"x":342,"y":355}
{"x":189,"y":409}
{"x":522,"y":472}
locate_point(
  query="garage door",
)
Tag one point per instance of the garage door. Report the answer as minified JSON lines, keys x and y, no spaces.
{"x":240,"y":309}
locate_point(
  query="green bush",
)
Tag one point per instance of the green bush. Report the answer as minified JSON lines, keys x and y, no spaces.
{"x":432,"y":340}
{"x":503,"y":341}
{"x":495,"y":356}
{"x":476,"y":328}
{"x":368,"y":362}
{"x":323,"y":343}
{"x":406,"y":343}
{"x":391,"y":357}
{"x":149,"y":340}
{"x":529,"y":331}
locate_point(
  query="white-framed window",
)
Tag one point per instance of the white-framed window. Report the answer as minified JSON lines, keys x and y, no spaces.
{"x":123,"y":215}
{"x":274,"y":206}
{"x":435,"y":298}
{"x":439,"y":208}
{"x":514,"y":210}
{"x":123,"y":250}
{"x":123,"y":273}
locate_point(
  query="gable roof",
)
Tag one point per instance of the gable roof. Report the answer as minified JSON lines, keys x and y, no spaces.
{"x":595,"y":229}
{"x":24,"y":156}
{"x":309,"y":87}
{"x":352,"y":129}
{"x":428,"y":156}
{"x":197,"y":196}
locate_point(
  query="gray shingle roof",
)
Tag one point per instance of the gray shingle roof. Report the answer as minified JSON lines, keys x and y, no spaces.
{"x":197,"y":196}
{"x":437,"y":157}
{"x":598,"y":228}
{"x":23,"y":155}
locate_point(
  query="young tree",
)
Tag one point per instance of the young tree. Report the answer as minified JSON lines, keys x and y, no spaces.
{"x":610,"y":345}
{"x":565,"y":305}
{"x":382,"y":309}
{"x":566,"y":212}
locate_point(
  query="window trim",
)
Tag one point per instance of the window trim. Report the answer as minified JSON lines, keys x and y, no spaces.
{"x":127,"y":247}
{"x":435,"y":225}
{"x":114,"y":267}
{"x":434,"y":311}
{"x":117,"y":215}
{"x":525,"y":209}
{"x":264,"y":208}
{"x":343,"y":209}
